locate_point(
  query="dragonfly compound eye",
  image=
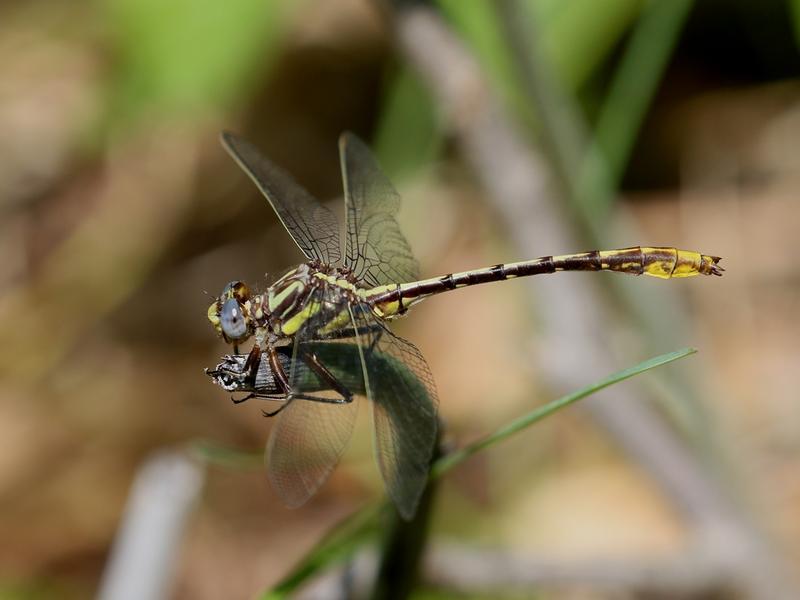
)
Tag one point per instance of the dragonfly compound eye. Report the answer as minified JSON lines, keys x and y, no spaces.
{"x":232,"y":321}
{"x":236,"y":289}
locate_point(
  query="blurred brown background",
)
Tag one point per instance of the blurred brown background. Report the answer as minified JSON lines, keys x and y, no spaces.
{"x":122,"y":216}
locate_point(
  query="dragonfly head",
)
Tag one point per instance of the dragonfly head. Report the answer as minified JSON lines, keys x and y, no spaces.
{"x":230,"y":313}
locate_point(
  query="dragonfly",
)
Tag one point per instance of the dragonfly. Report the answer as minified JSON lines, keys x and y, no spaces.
{"x":321,"y":331}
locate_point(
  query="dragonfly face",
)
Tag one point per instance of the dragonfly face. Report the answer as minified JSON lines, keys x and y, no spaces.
{"x":230,"y":313}
{"x":322,"y":335}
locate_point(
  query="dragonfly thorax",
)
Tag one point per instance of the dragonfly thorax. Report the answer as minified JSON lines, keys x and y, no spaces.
{"x":287,"y":304}
{"x":287,"y":295}
{"x":305,"y":292}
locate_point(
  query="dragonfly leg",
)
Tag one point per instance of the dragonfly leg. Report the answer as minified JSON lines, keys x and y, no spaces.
{"x":375,"y":340}
{"x":281,"y":379}
{"x":292,"y":397}
{"x":325,"y":375}
{"x":252,"y":363}
{"x":289,"y":395}
{"x":274,"y":412}
{"x":273,"y":397}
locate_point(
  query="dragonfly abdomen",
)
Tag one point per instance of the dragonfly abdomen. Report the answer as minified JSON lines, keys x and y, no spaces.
{"x":664,"y":263}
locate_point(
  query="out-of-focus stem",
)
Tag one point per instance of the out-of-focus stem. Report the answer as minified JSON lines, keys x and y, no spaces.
{"x":405,"y":544}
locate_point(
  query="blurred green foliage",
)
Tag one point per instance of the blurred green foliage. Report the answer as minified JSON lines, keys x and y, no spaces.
{"x":407,"y":137}
{"x":794,"y":7}
{"x":576,"y":37}
{"x":184,"y":59}
{"x":477,"y":23}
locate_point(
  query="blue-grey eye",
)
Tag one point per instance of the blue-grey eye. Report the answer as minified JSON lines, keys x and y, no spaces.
{"x":231,"y":320}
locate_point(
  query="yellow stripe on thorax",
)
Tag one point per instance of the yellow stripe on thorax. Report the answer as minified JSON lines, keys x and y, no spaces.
{"x":339,"y":321}
{"x":292,"y":325}
{"x":342,"y":283}
{"x":275,"y":300}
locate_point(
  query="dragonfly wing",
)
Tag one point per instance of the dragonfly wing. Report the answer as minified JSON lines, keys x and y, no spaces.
{"x":310,"y":436}
{"x":313,"y":226}
{"x":404,"y":408}
{"x":305,"y":445}
{"x":376,"y":250}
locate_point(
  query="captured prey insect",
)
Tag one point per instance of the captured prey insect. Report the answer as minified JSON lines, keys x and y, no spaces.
{"x":321,"y":330}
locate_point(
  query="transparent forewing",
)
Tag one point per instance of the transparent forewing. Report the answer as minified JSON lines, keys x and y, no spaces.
{"x":310,"y":435}
{"x":376,"y":250}
{"x":313,"y":226}
{"x":404,"y":408}
{"x":305,"y":446}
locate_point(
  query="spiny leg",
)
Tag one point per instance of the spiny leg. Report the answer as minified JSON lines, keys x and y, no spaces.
{"x":326,"y":376}
{"x":374,"y":342}
{"x":319,"y":369}
{"x":251,"y":395}
{"x":310,"y":398}
{"x":252,"y":363}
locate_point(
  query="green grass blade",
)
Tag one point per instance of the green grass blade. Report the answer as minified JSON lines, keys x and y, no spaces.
{"x":338,"y":545}
{"x":633,"y":86}
{"x":456,"y":458}
{"x":363,"y":526}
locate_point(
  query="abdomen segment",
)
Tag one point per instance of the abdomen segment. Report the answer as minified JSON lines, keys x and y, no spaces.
{"x":664,"y":263}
